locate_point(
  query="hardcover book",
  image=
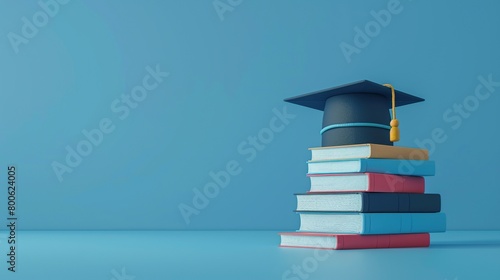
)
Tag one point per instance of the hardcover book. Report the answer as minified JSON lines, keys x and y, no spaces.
{"x":369,"y":202}
{"x":367,"y":151}
{"x":316,"y":240}
{"x":366,"y":182}
{"x":372,"y":223}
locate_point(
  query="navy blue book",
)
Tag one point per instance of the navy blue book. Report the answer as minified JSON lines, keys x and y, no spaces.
{"x":388,"y":166}
{"x":369,"y":202}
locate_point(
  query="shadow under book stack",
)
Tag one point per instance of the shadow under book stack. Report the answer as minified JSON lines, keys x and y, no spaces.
{"x":367,"y":196}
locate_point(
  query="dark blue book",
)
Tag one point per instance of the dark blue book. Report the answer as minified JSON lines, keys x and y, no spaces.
{"x":369,"y":202}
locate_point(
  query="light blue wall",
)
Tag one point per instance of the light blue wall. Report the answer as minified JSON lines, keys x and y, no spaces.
{"x":228,"y":77}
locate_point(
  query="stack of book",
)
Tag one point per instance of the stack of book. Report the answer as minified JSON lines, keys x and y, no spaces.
{"x":367,"y":196}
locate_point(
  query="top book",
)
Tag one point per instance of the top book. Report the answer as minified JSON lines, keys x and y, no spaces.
{"x":368,"y":151}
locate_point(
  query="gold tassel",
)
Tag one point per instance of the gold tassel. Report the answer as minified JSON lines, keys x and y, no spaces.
{"x":394,"y":132}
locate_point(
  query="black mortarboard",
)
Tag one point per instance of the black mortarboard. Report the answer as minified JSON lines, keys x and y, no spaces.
{"x":357,"y":113}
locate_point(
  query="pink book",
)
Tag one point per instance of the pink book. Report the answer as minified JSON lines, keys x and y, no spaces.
{"x":330,"y":241}
{"x":366,"y":182}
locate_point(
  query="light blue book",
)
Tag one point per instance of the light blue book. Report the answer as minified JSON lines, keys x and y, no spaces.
{"x":372,"y":223}
{"x":389,"y":166}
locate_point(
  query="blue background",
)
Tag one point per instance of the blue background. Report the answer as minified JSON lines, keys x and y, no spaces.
{"x":227,"y":75}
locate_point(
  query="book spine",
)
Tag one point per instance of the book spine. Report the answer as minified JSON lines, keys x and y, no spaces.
{"x":400,"y":167}
{"x":383,"y":241}
{"x":431,"y":222}
{"x":400,"y":203}
{"x":423,"y":203}
{"x":383,"y":203}
{"x":394,"y":223}
{"x":394,"y":152}
{"x":378,"y":182}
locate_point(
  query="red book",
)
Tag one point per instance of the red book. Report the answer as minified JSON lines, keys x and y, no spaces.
{"x":366,"y":182}
{"x":330,"y":241}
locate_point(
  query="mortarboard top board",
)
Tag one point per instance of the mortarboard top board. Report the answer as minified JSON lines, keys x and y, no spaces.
{"x":356,"y":113}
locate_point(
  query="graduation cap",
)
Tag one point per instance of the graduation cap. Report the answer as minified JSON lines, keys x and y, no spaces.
{"x":357,"y":113}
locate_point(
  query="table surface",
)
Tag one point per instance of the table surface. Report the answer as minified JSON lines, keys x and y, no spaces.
{"x":149,"y":255}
